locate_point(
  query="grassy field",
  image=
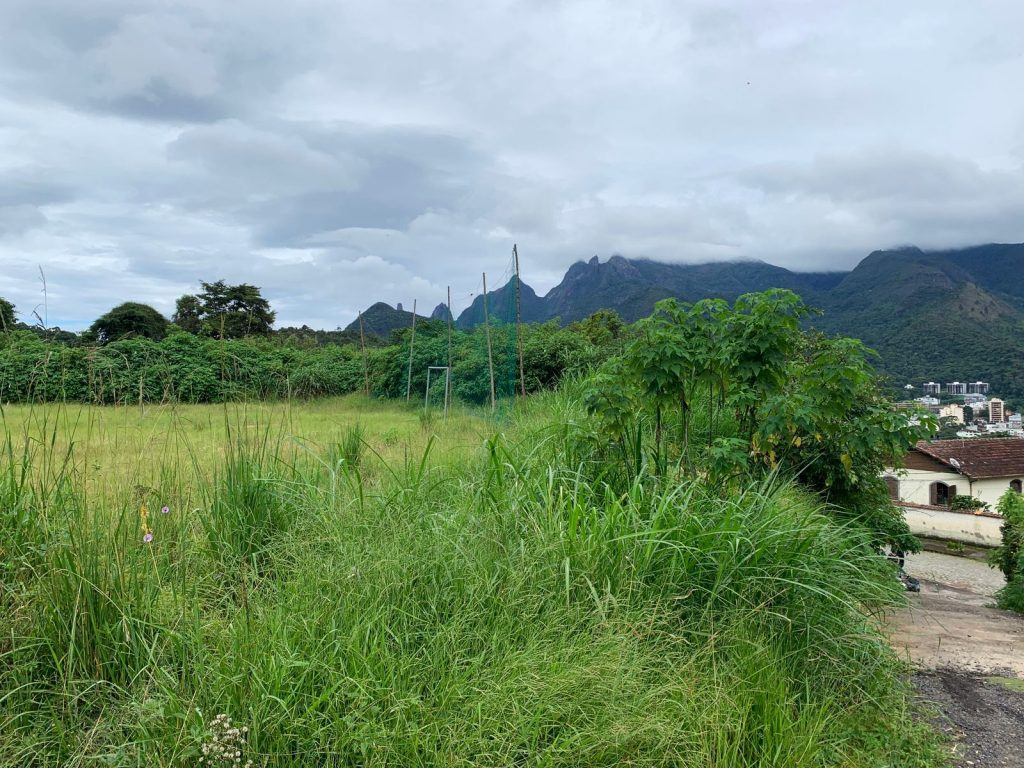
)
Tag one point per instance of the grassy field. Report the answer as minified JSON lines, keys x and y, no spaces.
{"x":345,"y":583}
{"x":115,"y":451}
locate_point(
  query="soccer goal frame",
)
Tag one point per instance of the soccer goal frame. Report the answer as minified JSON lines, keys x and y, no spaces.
{"x":447,"y":386}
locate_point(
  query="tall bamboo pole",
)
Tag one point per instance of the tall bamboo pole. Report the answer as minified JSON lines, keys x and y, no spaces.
{"x":448,"y":377}
{"x":412,"y":342}
{"x":362,"y":346}
{"x":519,"y":323}
{"x":487,"y":331}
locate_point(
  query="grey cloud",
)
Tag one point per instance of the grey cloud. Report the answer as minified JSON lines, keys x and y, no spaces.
{"x":27,"y":187}
{"x":337,"y":154}
{"x":17,"y":219}
{"x":290,"y":182}
{"x":187,"y":62}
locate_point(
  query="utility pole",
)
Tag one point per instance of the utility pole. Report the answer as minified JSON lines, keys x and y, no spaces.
{"x":362,"y":346}
{"x":519,"y":322}
{"x":412,"y":341}
{"x":487,"y":331}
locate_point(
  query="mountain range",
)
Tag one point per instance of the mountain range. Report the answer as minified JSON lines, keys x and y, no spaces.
{"x":939,"y":315}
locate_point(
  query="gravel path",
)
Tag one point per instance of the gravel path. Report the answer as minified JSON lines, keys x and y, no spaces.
{"x":959,"y":572}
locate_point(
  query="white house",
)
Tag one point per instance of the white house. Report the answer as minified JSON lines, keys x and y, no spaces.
{"x":937,"y":471}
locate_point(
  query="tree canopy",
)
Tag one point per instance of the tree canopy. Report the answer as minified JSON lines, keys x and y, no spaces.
{"x":128,"y":320}
{"x":225,"y":311}
{"x":6,"y":315}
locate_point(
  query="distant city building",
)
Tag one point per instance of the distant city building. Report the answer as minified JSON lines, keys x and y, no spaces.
{"x":1014,"y":420}
{"x":929,"y":401}
{"x":996,"y":413}
{"x":974,"y":398}
{"x":952,"y":411}
{"x":931,"y":388}
{"x":977,"y":388}
{"x":956,"y":388}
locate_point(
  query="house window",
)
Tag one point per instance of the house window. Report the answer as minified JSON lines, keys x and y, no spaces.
{"x":941,"y":494}
{"x":894,"y":488}
{"x":1015,"y":485}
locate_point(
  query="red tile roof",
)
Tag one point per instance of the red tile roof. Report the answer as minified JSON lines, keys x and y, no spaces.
{"x":979,"y":458}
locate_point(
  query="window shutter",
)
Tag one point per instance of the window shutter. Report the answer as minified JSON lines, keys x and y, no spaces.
{"x":951,"y":496}
{"x":933,"y":494}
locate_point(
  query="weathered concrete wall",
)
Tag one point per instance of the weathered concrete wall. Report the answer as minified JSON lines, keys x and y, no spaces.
{"x":981,"y":530}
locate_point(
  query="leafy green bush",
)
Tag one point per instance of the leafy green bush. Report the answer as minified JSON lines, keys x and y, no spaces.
{"x":967,"y":503}
{"x":738,"y":391}
{"x":1009,"y":555}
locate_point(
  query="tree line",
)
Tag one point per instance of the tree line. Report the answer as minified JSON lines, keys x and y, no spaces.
{"x":220,"y":345}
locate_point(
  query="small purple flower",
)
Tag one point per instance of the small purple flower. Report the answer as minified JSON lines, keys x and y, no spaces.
{"x":148,"y":537}
{"x":164,"y":510}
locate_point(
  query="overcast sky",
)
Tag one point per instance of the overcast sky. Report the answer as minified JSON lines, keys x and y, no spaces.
{"x":336,"y":153}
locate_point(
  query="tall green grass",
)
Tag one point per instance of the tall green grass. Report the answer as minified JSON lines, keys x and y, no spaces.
{"x":509,"y":610}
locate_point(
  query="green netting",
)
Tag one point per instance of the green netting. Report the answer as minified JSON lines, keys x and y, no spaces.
{"x":505,"y":340}
{"x":470,"y":376}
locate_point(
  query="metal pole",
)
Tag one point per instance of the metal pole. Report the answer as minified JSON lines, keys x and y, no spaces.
{"x":447,"y":389}
{"x":448,"y":378}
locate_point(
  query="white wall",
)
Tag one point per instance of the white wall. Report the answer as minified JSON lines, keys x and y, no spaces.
{"x":981,"y":530}
{"x":915,"y":485}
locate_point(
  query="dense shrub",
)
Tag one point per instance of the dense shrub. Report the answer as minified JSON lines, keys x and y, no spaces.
{"x":187,"y":368}
{"x":1009,"y":556}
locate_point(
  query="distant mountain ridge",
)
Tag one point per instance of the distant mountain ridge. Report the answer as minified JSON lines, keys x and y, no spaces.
{"x":942,"y":315}
{"x":381,"y":319}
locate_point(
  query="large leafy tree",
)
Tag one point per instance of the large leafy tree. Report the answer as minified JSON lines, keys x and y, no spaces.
{"x":6,"y":315}
{"x":127,"y":320}
{"x":188,"y":314}
{"x":770,"y":399}
{"x":225,"y":311}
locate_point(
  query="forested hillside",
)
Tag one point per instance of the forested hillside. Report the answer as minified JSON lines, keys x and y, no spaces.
{"x":950,"y":315}
{"x":934,"y":316}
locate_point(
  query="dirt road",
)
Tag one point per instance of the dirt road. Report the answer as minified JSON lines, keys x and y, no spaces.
{"x":970,"y":657}
{"x":950,"y":625}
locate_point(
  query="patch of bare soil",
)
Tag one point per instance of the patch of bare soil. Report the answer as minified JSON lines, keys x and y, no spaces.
{"x":949,"y":628}
{"x":984,"y":719}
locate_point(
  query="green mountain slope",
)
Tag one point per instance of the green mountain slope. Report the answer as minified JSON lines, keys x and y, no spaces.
{"x":632,"y":286}
{"x":380,"y":319}
{"x":501,"y":307}
{"x":929,"y":319}
{"x":950,"y":315}
{"x":998,"y":268}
